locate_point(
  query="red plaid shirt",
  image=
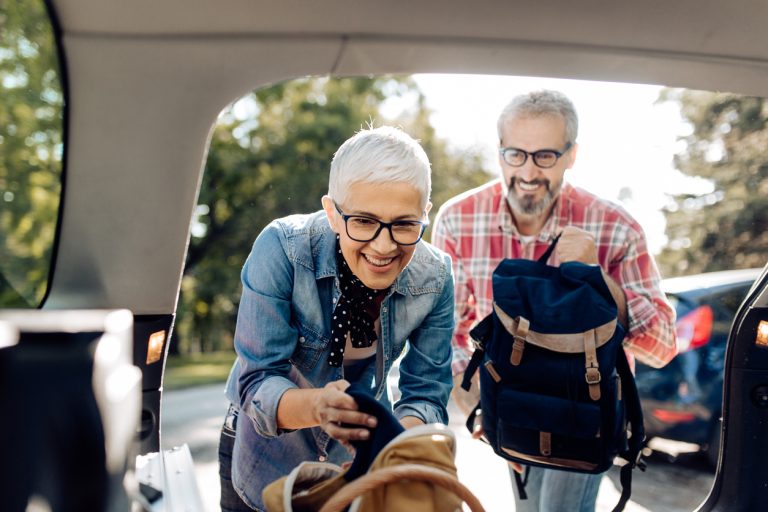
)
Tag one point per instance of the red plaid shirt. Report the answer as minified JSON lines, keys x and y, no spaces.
{"x":477,"y":230}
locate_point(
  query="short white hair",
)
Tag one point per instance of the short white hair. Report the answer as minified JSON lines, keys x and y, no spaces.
{"x":380,"y":155}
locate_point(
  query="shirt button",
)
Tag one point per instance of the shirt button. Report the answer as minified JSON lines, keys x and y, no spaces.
{"x":301,"y":339}
{"x":322,"y":458}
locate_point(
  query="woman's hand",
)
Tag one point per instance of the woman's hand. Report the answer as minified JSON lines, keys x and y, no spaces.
{"x":332,"y":407}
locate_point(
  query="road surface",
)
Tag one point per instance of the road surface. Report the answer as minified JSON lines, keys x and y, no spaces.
{"x":194,"y":416}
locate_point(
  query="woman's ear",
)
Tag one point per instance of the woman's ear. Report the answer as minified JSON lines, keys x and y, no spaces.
{"x":427,"y":208}
{"x":330,"y":212}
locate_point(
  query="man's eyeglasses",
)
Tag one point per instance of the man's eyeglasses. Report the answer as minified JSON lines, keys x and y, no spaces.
{"x":544,"y":158}
{"x":365,"y":229}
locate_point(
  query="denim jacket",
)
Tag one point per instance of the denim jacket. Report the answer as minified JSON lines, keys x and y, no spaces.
{"x":282,"y":339}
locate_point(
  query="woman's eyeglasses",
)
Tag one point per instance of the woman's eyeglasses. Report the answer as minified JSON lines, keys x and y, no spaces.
{"x":364,"y":229}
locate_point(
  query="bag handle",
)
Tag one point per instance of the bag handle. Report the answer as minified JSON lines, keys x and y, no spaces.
{"x":371,"y":481}
{"x":544,"y":257}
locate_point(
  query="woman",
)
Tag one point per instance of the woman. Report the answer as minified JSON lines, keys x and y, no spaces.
{"x":329,"y":299}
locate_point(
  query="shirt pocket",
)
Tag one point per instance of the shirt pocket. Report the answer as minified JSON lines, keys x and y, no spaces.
{"x":310,"y":347}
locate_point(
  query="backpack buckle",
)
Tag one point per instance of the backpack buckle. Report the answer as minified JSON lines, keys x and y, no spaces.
{"x":592,"y":376}
{"x":518,"y":345}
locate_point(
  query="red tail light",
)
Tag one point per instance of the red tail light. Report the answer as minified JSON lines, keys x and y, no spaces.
{"x":694,"y":329}
{"x":667,"y":416}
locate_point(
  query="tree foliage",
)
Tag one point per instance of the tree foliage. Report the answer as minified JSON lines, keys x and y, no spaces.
{"x":728,"y":227}
{"x":31,"y":128}
{"x":270,"y":156}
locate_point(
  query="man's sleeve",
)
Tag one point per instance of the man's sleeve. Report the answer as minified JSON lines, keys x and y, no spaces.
{"x":651,"y":337}
{"x":464,"y":311}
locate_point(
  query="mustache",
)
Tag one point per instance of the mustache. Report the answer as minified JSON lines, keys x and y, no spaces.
{"x":537,"y":181}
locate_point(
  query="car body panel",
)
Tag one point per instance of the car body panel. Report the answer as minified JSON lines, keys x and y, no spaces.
{"x":184,"y":62}
{"x":682,"y":401}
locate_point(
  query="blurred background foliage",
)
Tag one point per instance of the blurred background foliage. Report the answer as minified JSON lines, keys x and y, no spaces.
{"x":269,"y":156}
{"x":726,"y":228}
{"x":31,"y":127}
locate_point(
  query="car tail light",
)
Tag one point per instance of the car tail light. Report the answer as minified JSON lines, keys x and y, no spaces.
{"x":667,"y":416}
{"x":694,"y":329}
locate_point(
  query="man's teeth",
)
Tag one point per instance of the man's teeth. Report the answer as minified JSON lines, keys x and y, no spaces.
{"x":528,"y":186}
{"x":379,"y":262}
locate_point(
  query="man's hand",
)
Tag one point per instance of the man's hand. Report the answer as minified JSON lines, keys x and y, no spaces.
{"x":576,"y":245}
{"x":332,"y":407}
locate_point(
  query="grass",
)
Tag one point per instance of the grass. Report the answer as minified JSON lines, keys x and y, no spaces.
{"x":185,"y":371}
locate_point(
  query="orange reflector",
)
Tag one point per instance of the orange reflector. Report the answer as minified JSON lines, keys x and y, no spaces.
{"x":155,"y":347}
{"x":673,"y":416}
{"x":762,"y":334}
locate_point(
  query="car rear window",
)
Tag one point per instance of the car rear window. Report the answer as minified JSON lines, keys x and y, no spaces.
{"x":31,"y":147}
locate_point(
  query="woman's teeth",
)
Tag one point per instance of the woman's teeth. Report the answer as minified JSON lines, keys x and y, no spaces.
{"x":379,"y":262}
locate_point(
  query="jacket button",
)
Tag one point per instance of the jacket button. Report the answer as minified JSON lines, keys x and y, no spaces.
{"x":322,"y":458}
{"x":301,"y":339}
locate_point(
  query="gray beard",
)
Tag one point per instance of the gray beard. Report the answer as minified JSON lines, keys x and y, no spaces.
{"x":527,"y":205}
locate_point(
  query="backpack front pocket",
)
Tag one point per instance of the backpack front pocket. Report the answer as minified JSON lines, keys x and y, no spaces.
{"x":548,"y":431}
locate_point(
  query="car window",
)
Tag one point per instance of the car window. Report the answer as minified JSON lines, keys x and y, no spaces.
{"x":732,"y":299}
{"x":269,"y":155}
{"x":31,"y":128}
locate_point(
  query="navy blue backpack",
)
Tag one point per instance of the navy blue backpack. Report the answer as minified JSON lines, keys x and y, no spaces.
{"x":556,"y":390}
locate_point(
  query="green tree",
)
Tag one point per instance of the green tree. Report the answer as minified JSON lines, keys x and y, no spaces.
{"x":270,"y":156}
{"x":727,"y":228}
{"x":31,"y":128}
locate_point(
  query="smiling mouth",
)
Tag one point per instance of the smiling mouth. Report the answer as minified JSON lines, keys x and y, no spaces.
{"x":378,"y":262}
{"x":529,"y":186}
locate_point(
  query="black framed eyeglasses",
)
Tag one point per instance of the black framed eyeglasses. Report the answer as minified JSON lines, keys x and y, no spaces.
{"x":544,"y":158}
{"x":364,"y":229}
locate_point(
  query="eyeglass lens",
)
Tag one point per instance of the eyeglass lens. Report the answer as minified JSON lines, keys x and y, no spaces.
{"x":364,"y":229}
{"x":516,"y":157}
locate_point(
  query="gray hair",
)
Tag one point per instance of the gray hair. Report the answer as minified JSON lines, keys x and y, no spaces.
{"x":539,"y":103}
{"x":380,"y":155}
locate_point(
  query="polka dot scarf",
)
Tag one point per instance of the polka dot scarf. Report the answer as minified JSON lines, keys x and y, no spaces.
{"x":352,"y":313}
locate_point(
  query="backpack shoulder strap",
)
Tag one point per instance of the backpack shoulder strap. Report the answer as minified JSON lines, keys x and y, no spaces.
{"x":544,"y":257}
{"x":479,"y":334}
{"x":637,"y":439}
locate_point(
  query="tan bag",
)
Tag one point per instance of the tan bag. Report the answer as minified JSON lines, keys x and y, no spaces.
{"x":410,"y":473}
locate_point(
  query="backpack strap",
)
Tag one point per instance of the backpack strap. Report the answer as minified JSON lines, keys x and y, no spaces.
{"x":478,"y":334}
{"x":474,"y":364}
{"x":637,"y":440}
{"x":544,"y":257}
{"x":471,"y":419}
{"x":521,"y":481}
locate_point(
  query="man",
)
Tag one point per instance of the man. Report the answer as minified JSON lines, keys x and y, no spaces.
{"x":517,"y":216}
